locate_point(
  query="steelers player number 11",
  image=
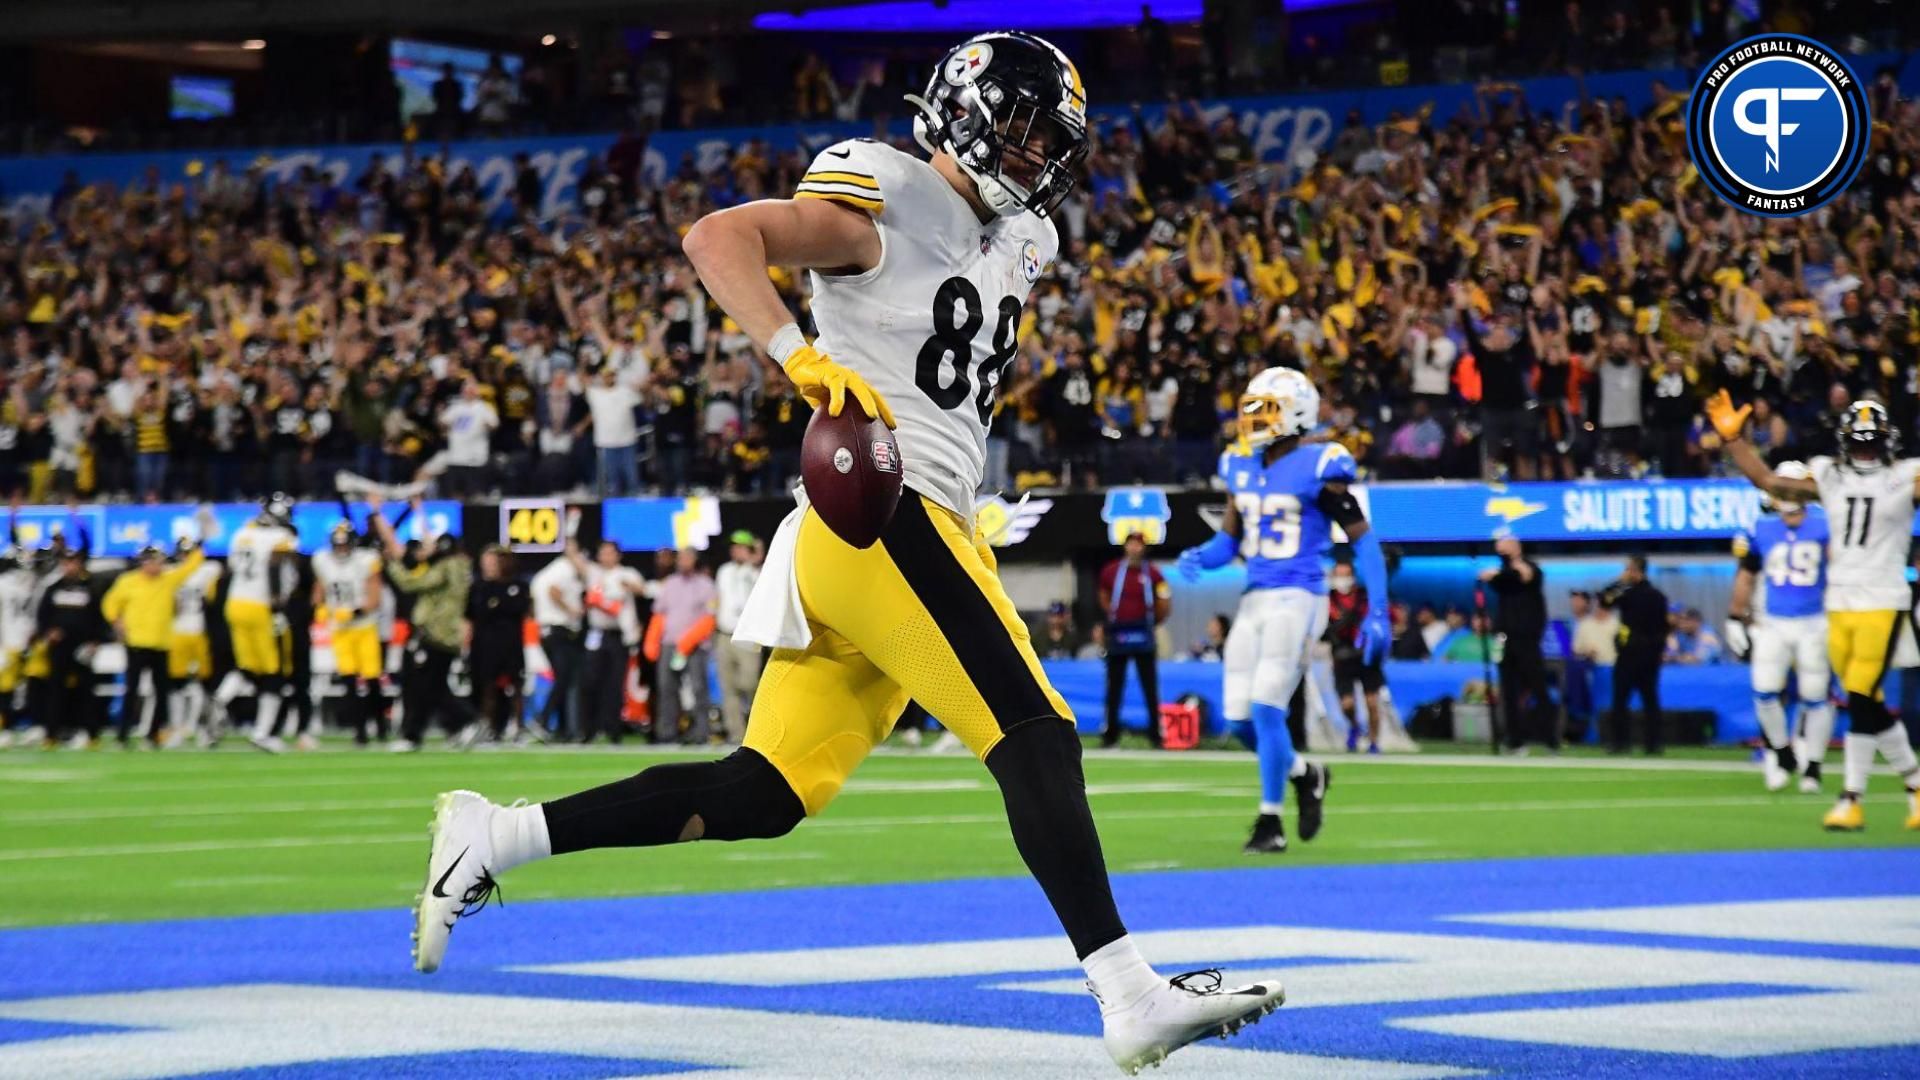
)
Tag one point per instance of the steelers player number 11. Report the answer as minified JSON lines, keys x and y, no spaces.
{"x":530,"y":525}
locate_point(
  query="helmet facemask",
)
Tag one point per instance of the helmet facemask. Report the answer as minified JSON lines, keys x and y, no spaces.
{"x":1016,"y":127}
{"x":1263,"y":418}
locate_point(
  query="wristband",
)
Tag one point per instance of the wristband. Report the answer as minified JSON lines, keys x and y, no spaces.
{"x":785,"y":342}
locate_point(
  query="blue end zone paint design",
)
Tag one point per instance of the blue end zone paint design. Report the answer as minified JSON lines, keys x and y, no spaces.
{"x":492,"y":1064}
{"x":367,"y":949}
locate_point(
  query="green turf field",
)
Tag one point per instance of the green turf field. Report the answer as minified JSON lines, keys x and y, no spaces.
{"x":111,"y":835}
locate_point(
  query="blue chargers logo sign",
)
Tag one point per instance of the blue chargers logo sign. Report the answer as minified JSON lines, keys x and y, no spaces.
{"x":1140,"y":510}
{"x":1778,"y":125}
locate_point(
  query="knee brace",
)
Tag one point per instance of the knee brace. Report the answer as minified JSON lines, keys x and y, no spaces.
{"x":746,"y":798}
{"x":1867,"y":715}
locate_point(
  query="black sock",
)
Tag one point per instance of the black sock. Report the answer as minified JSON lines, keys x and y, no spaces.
{"x":740,"y":797}
{"x":1038,"y":768}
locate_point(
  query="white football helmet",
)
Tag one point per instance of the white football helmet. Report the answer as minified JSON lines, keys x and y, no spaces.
{"x":1788,"y":470}
{"x":1279,"y":403}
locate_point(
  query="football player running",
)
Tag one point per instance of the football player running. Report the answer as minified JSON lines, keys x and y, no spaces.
{"x":1868,"y":495}
{"x":920,"y":270}
{"x":1284,"y":498}
{"x":1780,"y":627}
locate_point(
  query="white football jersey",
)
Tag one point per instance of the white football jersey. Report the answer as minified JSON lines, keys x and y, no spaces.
{"x":19,"y":599}
{"x":1870,"y":516}
{"x":343,"y":580}
{"x":931,"y":326}
{"x":190,"y":599}
{"x":250,"y":560}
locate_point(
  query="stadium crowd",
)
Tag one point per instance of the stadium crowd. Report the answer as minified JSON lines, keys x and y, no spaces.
{"x":235,"y":336}
{"x":1504,"y":292}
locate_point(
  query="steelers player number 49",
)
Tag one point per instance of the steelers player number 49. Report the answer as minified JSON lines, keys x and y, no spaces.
{"x":529,"y":525}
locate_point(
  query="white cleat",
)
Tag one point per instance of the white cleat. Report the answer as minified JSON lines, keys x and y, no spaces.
{"x":458,"y":880}
{"x":1810,"y":785}
{"x":1186,"y":1009}
{"x":401,"y":746}
{"x":1777,"y":778}
{"x":272,"y":744}
{"x":307,"y":742}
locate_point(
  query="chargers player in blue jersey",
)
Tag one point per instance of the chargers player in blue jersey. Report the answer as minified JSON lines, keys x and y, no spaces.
{"x":1284,"y":499}
{"x":1786,"y":631}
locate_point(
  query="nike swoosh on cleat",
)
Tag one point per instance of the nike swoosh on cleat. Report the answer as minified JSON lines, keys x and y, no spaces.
{"x":439,"y":887}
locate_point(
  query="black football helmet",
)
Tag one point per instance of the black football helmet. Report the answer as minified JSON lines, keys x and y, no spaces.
{"x":1012,"y":111}
{"x":1867,"y":436}
{"x":342,"y":536}
{"x":277,"y":509}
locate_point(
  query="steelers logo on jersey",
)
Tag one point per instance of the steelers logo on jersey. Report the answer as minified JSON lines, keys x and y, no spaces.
{"x":966,"y":65}
{"x":1030,"y":263}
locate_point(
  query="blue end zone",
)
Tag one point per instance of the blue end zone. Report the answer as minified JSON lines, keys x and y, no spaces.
{"x":367,"y":949}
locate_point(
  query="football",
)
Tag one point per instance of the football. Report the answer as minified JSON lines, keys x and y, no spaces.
{"x":851,"y":465}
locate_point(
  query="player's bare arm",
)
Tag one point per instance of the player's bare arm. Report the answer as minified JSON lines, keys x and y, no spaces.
{"x":732,"y":249}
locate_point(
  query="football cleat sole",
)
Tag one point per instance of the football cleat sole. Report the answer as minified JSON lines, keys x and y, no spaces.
{"x":440,"y":803}
{"x":1154,"y":1057}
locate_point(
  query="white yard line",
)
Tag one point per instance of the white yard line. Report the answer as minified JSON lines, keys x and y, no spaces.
{"x":997,"y":820}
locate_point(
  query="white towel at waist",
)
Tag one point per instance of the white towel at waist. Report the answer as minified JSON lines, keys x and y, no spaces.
{"x":774,"y":615}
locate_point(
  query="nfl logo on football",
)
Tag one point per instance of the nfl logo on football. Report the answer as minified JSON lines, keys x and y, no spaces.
{"x":885,"y":457}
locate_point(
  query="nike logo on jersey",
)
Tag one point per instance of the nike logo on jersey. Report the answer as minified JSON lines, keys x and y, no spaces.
{"x":840,"y":153}
{"x":440,"y":887}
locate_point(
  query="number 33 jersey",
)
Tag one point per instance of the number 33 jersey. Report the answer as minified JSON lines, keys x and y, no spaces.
{"x":1870,"y":517}
{"x":934,"y":324}
{"x":1285,"y":532}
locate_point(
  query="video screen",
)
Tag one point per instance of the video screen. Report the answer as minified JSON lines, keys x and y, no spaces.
{"x":200,"y":97}
{"x":417,"y":65}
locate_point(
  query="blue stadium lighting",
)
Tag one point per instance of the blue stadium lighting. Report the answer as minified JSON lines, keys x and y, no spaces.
{"x":972,"y":15}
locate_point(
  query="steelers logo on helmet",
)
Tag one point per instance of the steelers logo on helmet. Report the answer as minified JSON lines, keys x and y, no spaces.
{"x":1778,"y":125}
{"x":967,"y":62}
{"x":1867,"y":436}
{"x":1010,"y":109}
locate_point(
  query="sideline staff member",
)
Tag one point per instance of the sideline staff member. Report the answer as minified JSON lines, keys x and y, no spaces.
{"x":1136,"y":599}
{"x":1643,"y":645}
{"x":1521,"y":622}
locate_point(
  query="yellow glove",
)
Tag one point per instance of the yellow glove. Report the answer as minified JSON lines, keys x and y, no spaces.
{"x":827,"y":384}
{"x":1727,"y":420}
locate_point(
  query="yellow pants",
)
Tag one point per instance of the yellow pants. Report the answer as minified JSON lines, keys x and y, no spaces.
{"x":256,"y":647}
{"x":13,"y":669}
{"x":39,"y":665}
{"x":1859,"y":645}
{"x":357,"y":651}
{"x":189,"y":656}
{"x":920,"y":615}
